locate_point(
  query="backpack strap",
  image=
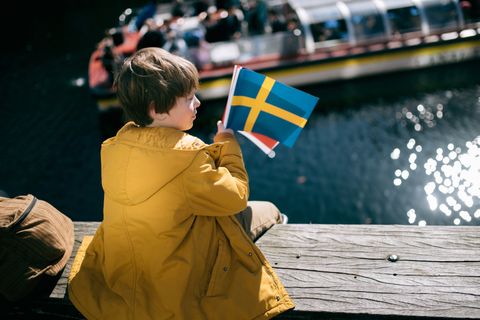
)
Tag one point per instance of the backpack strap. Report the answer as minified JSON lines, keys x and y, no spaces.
{"x":25,"y":213}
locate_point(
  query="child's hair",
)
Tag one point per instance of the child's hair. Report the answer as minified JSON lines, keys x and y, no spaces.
{"x":153,"y":75}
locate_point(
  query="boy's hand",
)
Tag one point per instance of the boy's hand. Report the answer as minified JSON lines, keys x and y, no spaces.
{"x":221,"y":128}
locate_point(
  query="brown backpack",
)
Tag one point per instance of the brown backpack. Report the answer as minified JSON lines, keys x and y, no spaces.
{"x":36,"y":240}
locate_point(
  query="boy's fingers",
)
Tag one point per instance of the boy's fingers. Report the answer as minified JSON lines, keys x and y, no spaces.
{"x":221,"y":127}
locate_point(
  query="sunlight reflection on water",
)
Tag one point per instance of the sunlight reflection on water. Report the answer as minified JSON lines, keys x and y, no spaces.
{"x":451,"y":173}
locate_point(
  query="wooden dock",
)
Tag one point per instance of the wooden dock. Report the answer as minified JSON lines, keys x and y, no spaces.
{"x":378,"y":271}
{"x":346,"y":272}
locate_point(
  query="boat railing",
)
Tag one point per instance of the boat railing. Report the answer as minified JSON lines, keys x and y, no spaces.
{"x":251,"y":49}
{"x":404,"y":40}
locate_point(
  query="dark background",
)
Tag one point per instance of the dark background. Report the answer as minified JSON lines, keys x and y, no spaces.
{"x":50,"y":134}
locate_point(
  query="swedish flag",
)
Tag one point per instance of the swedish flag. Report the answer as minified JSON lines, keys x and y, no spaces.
{"x":259,"y":104}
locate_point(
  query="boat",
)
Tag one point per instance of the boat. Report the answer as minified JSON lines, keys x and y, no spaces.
{"x":297,"y":42}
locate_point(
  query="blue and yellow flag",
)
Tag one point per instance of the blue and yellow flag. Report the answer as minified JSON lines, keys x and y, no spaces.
{"x":266,"y":110}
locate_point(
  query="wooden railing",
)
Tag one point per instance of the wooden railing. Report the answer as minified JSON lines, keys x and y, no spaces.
{"x":345,"y":272}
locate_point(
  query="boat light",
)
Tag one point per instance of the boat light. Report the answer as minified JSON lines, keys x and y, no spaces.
{"x":430,"y":39}
{"x":413,"y":42}
{"x":376,"y":47}
{"x":449,"y":36}
{"x":394,"y":44}
{"x":339,"y":53}
{"x":467,"y":33}
{"x":357,"y":50}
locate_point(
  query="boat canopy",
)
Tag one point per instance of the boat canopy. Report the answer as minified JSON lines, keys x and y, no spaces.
{"x":318,"y":24}
{"x":358,"y":21}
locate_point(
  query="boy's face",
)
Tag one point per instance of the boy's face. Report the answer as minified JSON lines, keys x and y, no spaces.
{"x":183,"y":113}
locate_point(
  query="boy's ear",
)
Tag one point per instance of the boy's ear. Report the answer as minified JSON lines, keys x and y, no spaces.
{"x":151,"y":110}
{"x":153,"y":113}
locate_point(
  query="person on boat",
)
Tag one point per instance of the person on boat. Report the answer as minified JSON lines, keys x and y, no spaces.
{"x":277,"y":23}
{"x":152,"y":35}
{"x":222,"y":24}
{"x":147,"y":11}
{"x":176,"y":240}
{"x":290,"y":45}
{"x":110,"y":60}
{"x":225,"y":4}
{"x":213,"y":32}
{"x":233,"y":21}
{"x":200,"y":6}
{"x":175,"y":43}
{"x":178,"y":9}
{"x":257,"y":17}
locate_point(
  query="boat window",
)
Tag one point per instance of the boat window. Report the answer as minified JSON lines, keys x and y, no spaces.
{"x":404,"y":20}
{"x":327,"y":24}
{"x":329,"y":30}
{"x":440,"y":14}
{"x":367,"y":21}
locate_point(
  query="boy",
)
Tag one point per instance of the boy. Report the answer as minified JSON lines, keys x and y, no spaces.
{"x":170,"y":245}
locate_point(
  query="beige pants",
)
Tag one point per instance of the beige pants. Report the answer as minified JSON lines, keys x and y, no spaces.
{"x":258,"y":217}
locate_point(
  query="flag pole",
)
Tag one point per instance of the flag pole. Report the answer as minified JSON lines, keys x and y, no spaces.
{"x":236,"y":71}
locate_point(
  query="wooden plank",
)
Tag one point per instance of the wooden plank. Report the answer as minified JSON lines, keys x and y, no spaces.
{"x":343,"y":272}
{"x":82,"y":229}
{"x":344,"y":269}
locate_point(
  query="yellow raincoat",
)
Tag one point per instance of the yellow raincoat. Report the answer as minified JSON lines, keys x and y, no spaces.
{"x":169,"y":246}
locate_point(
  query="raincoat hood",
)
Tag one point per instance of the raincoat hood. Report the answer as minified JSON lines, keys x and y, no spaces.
{"x":132,"y":179}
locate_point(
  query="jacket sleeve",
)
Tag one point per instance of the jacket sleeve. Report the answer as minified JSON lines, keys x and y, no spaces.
{"x":217,"y":187}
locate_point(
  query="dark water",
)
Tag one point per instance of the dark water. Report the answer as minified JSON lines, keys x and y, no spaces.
{"x":401,"y":148}
{"x":374,"y":151}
